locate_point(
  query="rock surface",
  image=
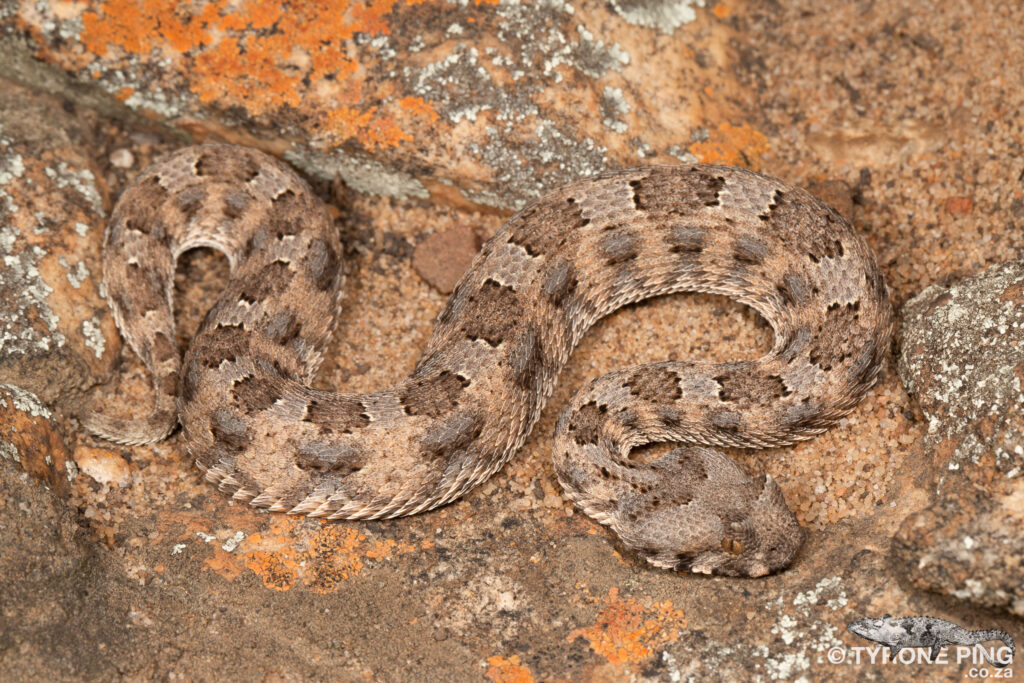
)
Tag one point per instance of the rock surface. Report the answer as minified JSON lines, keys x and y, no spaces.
{"x":30,"y":438}
{"x":405,"y":98}
{"x":435,"y":116}
{"x":56,"y":334}
{"x":963,"y":359}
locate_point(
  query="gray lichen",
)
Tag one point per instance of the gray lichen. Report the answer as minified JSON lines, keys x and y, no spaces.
{"x":362,"y":175}
{"x":25,"y":401}
{"x":80,"y":180}
{"x":23,"y":292}
{"x":94,"y":338}
{"x":974,"y":341}
{"x":565,"y":157}
{"x":664,"y":15}
{"x":614,"y":105}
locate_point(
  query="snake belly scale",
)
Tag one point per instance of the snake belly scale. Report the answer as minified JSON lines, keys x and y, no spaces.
{"x":251,"y":421}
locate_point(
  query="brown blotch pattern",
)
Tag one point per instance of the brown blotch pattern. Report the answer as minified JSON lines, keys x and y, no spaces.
{"x":255,"y":392}
{"x":149,"y":292}
{"x":560,"y":282}
{"x":322,"y":265}
{"x":229,"y":431}
{"x":336,"y":416}
{"x":228,"y":168}
{"x":191,"y":199}
{"x":163,"y":348}
{"x":326,"y":458}
{"x":665,"y":192}
{"x":833,"y":344}
{"x":481,"y":320}
{"x":272,"y":279}
{"x":236,"y":204}
{"x":529,"y":365}
{"x":654,"y":384}
{"x":805,"y":416}
{"x":749,"y":250}
{"x":751,"y":386}
{"x":432,"y":396}
{"x":686,"y":239}
{"x":618,"y":248}
{"x":726,"y":420}
{"x":559,"y":220}
{"x":585,"y":425}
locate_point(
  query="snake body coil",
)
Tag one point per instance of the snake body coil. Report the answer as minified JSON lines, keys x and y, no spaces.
{"x":252,"y":422}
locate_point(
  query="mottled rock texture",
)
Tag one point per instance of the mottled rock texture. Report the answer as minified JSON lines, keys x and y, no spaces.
{"x":434,"y":116}
{"x":56,"y":334}
{"x":963,"y":359}
{"x":404,"y":98}
{"x":30,"y":438}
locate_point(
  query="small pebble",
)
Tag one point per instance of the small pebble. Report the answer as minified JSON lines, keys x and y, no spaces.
{"x":103,"y":466}
{"x":122,"y":158}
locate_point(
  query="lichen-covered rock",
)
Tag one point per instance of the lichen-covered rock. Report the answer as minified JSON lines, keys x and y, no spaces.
{"x":56,"y":334}
{"x":466,"y":104}
{"x":963,"y":358}
{"x":30,"y":438}
{"x":503,"y":100}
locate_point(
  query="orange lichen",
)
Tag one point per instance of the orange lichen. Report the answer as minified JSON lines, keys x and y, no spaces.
{"x":508,"y":670}
{"x":264,"y":57}
{"x":419,"y":106}
{"x":721,"y":11}
{"x":384,"y":549}
{"x":277,"y":571}
{"x":626,"y":632}
{"x":224,"y":563}
{"x":288,"y":553}
{"x":731,"y":145}
{"x":333,"y":557}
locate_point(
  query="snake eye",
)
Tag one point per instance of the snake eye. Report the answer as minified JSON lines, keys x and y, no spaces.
{"x":733,"y":546}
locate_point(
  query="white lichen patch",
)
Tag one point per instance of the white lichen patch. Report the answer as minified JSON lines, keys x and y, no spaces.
{"x":54,"y":18}
{"x":143,"y":79}
{"x":8,"y":451}
{"x":806,"y":636}
{"x":461,"y":88}
{"x":232,"y":543}
{"x":23,"y":296}
{"x":828,"y":585}
{"x":26,"y":401}
{"x":614,"y":106}
{"x":12,"y":166}
{"x":80,"y":180}
{"x":566,"y":157}
{"x":94,"y":338}
{"x":664,"y":15}
{"x":796,"y":644}
{"x":76,"y":275}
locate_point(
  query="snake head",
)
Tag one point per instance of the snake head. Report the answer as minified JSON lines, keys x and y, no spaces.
{"x":729,"y":524}
{"x":770,"y":531}
{"x":765,"y":540}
